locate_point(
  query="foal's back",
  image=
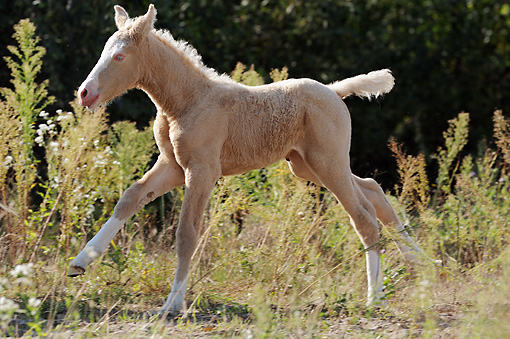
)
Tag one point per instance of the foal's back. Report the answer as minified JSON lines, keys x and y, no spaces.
{"x":266,"y":122}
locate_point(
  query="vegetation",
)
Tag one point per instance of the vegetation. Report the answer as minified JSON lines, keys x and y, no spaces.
{"x":277,"y":256}
{"x":447,"y":57}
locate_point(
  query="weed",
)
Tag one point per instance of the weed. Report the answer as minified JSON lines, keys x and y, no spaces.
{"x":19,"y":112}
{"x":455,"y":140}
{"x":277,"y":256}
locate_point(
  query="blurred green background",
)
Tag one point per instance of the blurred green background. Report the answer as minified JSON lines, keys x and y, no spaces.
{"x":447,"y":57}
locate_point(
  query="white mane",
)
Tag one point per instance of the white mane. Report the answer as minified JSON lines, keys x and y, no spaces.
{"x":189,"y":52}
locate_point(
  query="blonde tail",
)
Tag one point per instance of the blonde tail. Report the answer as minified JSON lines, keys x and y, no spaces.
{"x":368,"y":85}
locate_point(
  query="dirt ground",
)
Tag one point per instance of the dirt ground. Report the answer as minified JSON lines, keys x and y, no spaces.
{"x":200,"y":325}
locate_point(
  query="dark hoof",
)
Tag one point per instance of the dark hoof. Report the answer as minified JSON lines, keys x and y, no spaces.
{"x":75,"y":271}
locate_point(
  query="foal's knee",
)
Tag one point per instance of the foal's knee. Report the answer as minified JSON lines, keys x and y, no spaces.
{"x":131,"y":201}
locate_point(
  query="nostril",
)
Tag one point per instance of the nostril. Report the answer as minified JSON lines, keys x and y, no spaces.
{"x":84,"y":93}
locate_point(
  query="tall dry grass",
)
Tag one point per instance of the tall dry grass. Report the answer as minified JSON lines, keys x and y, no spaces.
{"x":277,"y":256}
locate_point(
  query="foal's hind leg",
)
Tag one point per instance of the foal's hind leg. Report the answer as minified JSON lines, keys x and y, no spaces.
{"x":335,"y":175}
{"x":386,"y":214}
{"x":164,"y":176}
{"x":373,"y":192}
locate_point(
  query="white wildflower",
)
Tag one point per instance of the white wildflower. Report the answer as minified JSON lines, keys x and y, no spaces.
{"x":43,"y":114}
{"x":249,"y":334}
{"x":7,"y":308}
{"x":22,"y":270}
{"x":34,"y":302}
{"x":90,"y":210}
{"x":77,"y":192}
{"x":53,"y":146}
{"x":63,"y":116}
{"x":39,"y":140}
{"x":8,"y":161}
{"x":56,"y":182}
{"x":33,"y":305}
{"x":100,"y":161}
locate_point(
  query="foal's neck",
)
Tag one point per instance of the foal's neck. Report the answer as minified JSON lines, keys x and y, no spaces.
{"x":170,"y":79}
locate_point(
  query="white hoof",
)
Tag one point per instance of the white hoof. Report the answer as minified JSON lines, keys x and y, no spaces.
{"x":174,"y":304}
{"x":82,"y":261}
{"x":377,"y":298}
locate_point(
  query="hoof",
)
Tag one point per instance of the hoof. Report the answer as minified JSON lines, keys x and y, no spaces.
{"x":378,"y":304}
{"x":75,"y":271}
{"x":167,"y":313}
{"x":174,"y":304}
{"x":153,"y":313}
{"x":172,"y":311}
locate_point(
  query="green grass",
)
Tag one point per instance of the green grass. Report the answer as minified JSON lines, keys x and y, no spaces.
{"x":277,"y":256}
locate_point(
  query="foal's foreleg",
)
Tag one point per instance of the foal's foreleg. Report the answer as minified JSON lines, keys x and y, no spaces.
{"x":164,"y":176}
{"x":199,"y":185}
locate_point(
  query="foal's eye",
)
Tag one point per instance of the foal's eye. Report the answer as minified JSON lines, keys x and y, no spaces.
{"x":119,"y":57}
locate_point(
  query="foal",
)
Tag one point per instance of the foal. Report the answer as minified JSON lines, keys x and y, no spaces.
{"x":208,"y":126}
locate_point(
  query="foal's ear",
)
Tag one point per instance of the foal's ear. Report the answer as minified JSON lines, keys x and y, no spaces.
{"x":121,"y":16}
{"x":144,"y":24}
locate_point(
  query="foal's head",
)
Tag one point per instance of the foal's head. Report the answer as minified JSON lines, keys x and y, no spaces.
{"x":119,"y":67}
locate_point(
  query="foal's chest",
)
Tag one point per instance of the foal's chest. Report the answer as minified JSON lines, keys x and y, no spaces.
{"x":197,"y":139}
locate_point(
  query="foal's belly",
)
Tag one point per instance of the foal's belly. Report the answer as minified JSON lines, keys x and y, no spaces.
{"x":237,"y":161}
